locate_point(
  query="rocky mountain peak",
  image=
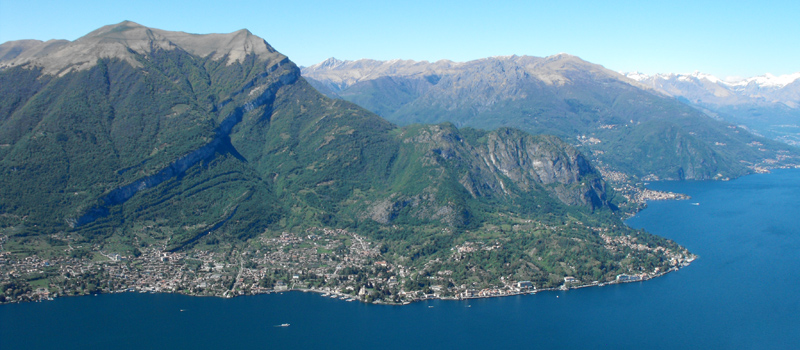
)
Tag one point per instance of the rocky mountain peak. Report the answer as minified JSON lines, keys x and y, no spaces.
{"x":330,"y":63}
{"x":124,"y":40}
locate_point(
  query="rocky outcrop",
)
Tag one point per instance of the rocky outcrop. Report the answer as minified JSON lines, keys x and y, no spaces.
{"x":506,"y":163}
{"x":423,"y":207}
{"x":546,"y":161}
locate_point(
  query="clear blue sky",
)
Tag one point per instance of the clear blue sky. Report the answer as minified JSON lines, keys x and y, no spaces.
{"x":724,"y":38}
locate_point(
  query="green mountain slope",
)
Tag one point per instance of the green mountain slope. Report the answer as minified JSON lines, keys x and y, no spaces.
{"x":134,"y":139}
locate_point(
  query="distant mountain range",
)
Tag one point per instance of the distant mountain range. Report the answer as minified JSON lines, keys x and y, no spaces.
{"x":703,"y":88}
{"x":767,"y":104}
{"x":620,"y":122}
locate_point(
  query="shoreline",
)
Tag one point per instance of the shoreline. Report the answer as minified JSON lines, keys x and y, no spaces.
{"x":530,"y":292}
{"x":349,"y":297}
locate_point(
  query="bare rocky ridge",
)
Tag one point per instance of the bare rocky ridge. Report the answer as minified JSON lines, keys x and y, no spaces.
{"x":13,"y":49}
{"x":551,"y":70}
{"x":58,"y":57}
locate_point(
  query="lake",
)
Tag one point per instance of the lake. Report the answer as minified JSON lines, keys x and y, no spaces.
{"x":743,"y":292}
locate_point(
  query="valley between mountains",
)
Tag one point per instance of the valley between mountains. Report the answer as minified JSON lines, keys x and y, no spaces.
{"x":141,"y":159}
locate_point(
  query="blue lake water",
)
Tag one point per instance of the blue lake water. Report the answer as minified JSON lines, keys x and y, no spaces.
{"x":743,"y":292}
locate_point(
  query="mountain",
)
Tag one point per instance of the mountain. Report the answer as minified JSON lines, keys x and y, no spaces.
{"x":620,"y":122}
{"x":223,"y":101}
{"x":90,"y":124}
{"x":705,"y":88}
{"x":155,"y":146}
{"x":768,"y":104}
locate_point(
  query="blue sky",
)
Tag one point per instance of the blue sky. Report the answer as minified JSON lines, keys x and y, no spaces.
{"x":724,"y":38}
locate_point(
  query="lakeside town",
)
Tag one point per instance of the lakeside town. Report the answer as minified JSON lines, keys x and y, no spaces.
{"x":334,"y":262}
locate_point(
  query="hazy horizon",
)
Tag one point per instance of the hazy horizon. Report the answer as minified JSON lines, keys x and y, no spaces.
{"x":719,"y":38}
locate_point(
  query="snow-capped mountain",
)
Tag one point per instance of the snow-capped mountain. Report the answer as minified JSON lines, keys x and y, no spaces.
{"x":706,"y":89}
{"x":767,"y":80}
{"x":766,"y":104}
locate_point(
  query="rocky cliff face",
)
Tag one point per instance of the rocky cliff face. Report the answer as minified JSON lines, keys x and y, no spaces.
{"x":507,"y":157}
{"x":545,"y":161}
{"x":504,"y":165}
